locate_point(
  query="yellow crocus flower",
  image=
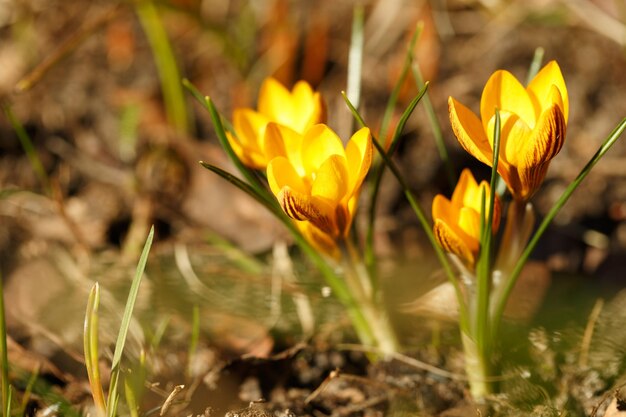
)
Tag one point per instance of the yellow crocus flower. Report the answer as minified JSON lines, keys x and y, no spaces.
{"x":533,"y":124}
{"x":457,"y":221}
{"x":318,"y":182}
{"x":297,"y":109}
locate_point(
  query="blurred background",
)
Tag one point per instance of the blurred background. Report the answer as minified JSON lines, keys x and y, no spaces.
{"x":98,"y":141}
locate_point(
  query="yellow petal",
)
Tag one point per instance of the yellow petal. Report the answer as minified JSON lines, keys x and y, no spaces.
{"x":331,"y":180}
{"x":274,"y":100}
{"x":450,"y":241}
{"x":470,"y":132}
{"x":300,"y":206}
{"x":280,"y":140}
{"x":504,"y":92}
{"x":469,"y":222}
{"x":320,"y":240}
{"x":249,"y":126}
{"x":308,"y":108}
{"x":281,"y":174}
{"x":545,"y":141}
{"x":540,"y":88}
{"x":465,"y":193}
{"x":359,"y":157}
{"x":319,"y":143}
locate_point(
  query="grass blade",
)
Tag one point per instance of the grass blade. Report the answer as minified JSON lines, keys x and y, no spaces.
{"x":481,"y":325}
{"x":173,"y":96}
{"x":606,"y":145}
{"x":355,"y":56}
{"x":121,"y":337}
{"x":262,"y":198}
{"x":535,"y":65}
{"x":90,"y":346}
{"x":216,"y":119}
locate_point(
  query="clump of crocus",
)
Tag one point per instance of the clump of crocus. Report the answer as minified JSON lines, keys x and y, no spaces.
{"x":457,"y":221}
{"x":297,"y":109}
{"x":318,"y":182}
{"x":534,"y":121}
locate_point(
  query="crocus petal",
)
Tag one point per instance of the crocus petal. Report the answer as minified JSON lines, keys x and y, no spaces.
{"x":450,"y":241}
{"x":318,"y":144}
{"x":469,"y":222}
{"x":505,"y":93}
{"x":540,"y":88}
{"x":300,"y":206}
{"x":281,"y":174}
{"x":308,"y":107}
{"x":274,"y":100}
{"x":359,"y":157}
{"x":280,"y":140}
{"x":320,"y":240}
{"x":249,"y":126}
{"x":469,"y":131}
{"x":465,"y":192}
{"x":541,"y":146}
{"x":331,"y":180}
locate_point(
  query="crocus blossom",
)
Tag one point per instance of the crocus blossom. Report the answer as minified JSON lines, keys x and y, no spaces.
{"x":457,"y":221}
{"x":297,"y":109}
{"x":533,"y":124}
{"x":318,"y":183}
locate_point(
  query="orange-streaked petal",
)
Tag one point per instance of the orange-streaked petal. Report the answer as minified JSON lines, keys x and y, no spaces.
{"x":504,"y":92}
{"x":320,"y":240}
{"x":319,"y":143}
{"x":331,"y":180}
{"x":469,"y":131}
{"x":450,"y":241}
{"x":545,"y":141}
{"x":281,"y":174}
{"x":300,"y":206}
{"x":359,"y":152}
{"x":539,"y":89}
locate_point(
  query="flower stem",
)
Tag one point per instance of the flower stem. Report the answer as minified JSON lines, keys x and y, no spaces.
{"x":368,"y":300}
{"x":478,"y":368}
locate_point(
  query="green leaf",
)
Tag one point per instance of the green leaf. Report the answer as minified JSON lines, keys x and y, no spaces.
{"x":90,"y":347}
{"x":121,"y":337}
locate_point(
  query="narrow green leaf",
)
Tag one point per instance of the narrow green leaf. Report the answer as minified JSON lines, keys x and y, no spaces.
{"x":510,"y":283}
{"x":482,"y":331}
{"x":263,"y":198}
{"x":195,"y":336}
{"x":90,"y":347}
{"x":218,"y":125}
{"x":535,"y":64}
{"x":121,"y":337}
{"x":173,"y":96}
{"x":355,"y":55}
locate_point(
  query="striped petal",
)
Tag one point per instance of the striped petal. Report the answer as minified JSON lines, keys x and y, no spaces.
{"x":469,"y":131}
{"x":540,"y":88}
